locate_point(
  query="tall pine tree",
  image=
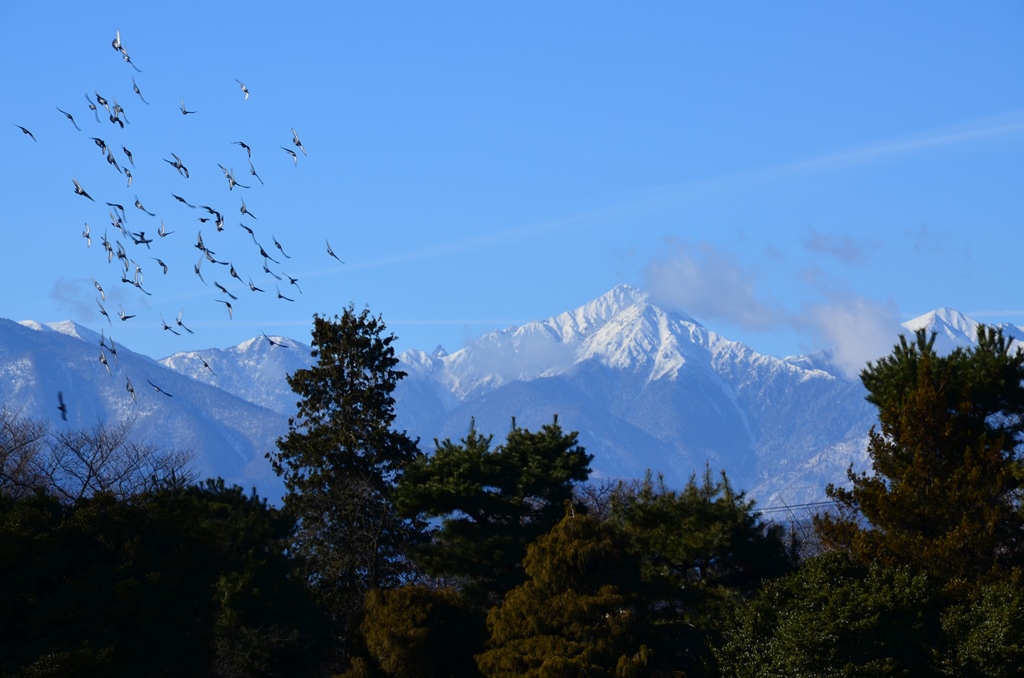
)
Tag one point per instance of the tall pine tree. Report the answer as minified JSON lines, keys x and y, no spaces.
{"x":945,"y":491}
{"x":341,"y":459}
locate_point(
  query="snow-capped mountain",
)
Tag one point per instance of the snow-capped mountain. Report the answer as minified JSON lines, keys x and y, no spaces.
{"x":645,"y":389}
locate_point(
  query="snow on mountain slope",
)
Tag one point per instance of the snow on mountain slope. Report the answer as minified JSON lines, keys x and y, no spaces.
{"x":645,"y":389}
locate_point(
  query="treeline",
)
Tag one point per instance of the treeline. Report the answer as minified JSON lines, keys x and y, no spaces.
{"x":503,"y":560}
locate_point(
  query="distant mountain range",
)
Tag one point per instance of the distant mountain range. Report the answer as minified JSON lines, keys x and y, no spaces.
{"x":645,"y":389}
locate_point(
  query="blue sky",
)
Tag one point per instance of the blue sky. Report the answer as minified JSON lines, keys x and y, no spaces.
{"x":792,"y":175}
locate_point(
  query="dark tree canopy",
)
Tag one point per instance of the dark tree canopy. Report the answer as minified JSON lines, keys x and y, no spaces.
{"x":341,"y":459}
{"x":492,"y":502}
{"x":944,"y":494}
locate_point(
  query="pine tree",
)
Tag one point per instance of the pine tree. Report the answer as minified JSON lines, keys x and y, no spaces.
{"x":492,"y":503}
{"x":575,"y":613}
{"x":341,"y":459}
{"x":944,"y":495}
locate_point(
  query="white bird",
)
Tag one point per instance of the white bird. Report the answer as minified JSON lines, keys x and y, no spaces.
{"x":245,"y":90}
{"x":87,"y":236}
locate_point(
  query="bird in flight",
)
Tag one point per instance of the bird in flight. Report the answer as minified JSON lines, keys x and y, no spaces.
{"x":138,"y":91}
{"x":92,"y":107}
{"x":245,"y":210}
{"x":61,"y":406}
{"x":87,"y":236}
{"x":103,"y":361}
{"x":182,"y":200}
{"x":131,"y":389}
{"x":278,"y":246}
{"x":25,"y":131}
{"x":168,"y":327}
{"x":181,"y":324}
{"x":295,"y":140}
{"x":230,"y":309}
{"x":98,"y":288}
{"x":124,"y":316}
{"x":275,"y":343}
{"x":281,"y":296}
{"x":295,"y":157}
{"x":224,"y":290}
{"x":206,"y":364}
{"x":160,"y":263}
{"x":182,"y":170}
{"x":128,"y":174}
{"x":104,"y":313}
{"x":245,"y":90}
{"x":183,"y":111}
{"x":69,"y":117}
{"x":139,"y":205}
{"x":244,"y":145}
{"x":252,"y":171}
{"x":81,"y":191}
{"x":162,"y":231}
{"x":331,"y":252}
{"x":230,"y":176}
{"x":129,"y":155}
{"x":158,"y":389}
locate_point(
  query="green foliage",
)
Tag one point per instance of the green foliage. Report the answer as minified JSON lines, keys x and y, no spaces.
{"x":944,"y":495}
{"x":574,"y":615}
{"x":180,"y":581}
{"x":987,"y":634}
{"x":492,"y":502}
{"x":701,"y":551}
{"x":834,"y":617}
{"x":417,"y":632}
{"x":340,"y":460}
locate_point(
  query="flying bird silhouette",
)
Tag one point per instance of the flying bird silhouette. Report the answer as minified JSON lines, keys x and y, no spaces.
{"x":183,"y":111}
{"x":295,"y":157}
{"x":69,"y":117}
{"x":245,"y":90}
{"x":25,"y":131}
{"x":139,"y":92}
{"x":181,"y":324}
{"x":158,"y":389}
{"x":230,"y":309}
{"x":131,"y":389}
{"x":295,"y":140}
{"x":81,"y":191}
{"x":331,"y":252}
{"x":61,"y":406}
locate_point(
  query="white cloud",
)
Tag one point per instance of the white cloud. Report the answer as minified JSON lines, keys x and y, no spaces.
{"x":709,"y":284}
{"x":857,"y":329}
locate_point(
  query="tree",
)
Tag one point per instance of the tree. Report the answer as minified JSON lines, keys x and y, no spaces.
{"x":341,"y":459}
{"x":419,"y":632}
{"x":492,"y":503}
{"x":836,"y":617}
{"x":701,"y":552}
{"x":171,"y":582}
{"x":76,"y":463}
{"x":944,"y":495}
{"x":575,"y":613}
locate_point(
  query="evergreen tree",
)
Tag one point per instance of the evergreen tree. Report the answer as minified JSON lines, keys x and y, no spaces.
{"x":575,"y":613}
{"x":835,"y":617}
{"x":341,"y":459}
{"x":492,"y":503}
{"x":702,"y":551}
{"x":944,"y":495}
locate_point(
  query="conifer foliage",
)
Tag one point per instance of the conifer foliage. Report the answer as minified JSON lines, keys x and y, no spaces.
{"x":341,"y":459}
{"x":946,"y":488}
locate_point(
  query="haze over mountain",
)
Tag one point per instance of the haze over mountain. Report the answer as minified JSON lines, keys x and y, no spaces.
{"x":645,"y":388}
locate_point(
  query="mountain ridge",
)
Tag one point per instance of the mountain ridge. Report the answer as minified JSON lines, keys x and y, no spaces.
{"x":645,"y":388}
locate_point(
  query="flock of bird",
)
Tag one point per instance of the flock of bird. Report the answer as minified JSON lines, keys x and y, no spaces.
{"x":129,"y":247}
